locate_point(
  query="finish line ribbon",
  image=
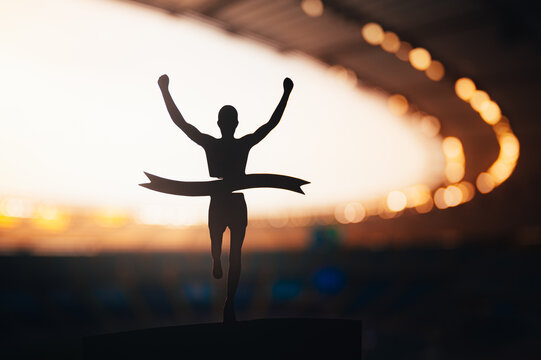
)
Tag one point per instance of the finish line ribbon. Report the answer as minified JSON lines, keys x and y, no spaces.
{"x":216,"y":187}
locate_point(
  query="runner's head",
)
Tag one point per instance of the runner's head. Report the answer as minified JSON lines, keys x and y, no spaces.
{"x":227,"y":120}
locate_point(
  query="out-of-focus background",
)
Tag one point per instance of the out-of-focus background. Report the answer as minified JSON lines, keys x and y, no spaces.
{"x":415,"y":122}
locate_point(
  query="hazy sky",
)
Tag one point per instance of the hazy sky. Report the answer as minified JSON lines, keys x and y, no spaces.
{"x":81,"y":115}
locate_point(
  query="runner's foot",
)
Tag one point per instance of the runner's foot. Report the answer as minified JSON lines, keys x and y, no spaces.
{"x":217,"y":268}
{"x":229,"y":312}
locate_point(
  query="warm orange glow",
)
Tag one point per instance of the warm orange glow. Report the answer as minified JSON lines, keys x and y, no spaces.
{"x":465,"y":88}
{"x":48,"y":217}
{"x":500,"y":171}
{"x":478,"y":98}
{"x":344,"y":74}
{"x":8,"y":221}
{"x":435,"y":71}
{"x":313,"y":8}
{"x":391,"y":42}
{"x":417,"y":195}
{"x":485,"y":183}
{"x":354,"y":212}
{"x":420,"y":58}
{"x":467,"y":189}
{"x":396,"y":201}
{"x":404,"y":51}
{"x":452,"y":196}
{"x":452,"y":147}
{"x":278,"y":222}
{"x":502,"y":127}
{"x":111,"y":218}
{"x":490,"y":112}
{"x":426,"y":207}
{"x":398,"y":104}
{"x":430,"y":125}
{"x":372,"y":33}
{"x":454,"y":172}
{"x":509,"y":148}
{"x":439,"y":199}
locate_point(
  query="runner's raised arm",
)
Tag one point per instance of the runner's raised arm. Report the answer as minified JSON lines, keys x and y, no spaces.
{"x":264,"y":130}
{"x":191,"y":131}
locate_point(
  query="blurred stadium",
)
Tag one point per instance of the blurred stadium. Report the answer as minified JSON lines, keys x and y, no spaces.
{"x":439,"y":270}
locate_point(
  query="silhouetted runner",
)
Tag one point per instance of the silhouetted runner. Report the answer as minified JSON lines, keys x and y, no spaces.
{"x":226,"y":159}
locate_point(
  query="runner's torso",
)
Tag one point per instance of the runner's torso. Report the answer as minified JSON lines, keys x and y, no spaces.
{"x":226,"y":158}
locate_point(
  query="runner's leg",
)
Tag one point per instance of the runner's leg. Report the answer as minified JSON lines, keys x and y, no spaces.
{"x":216,"y":235}
{"x":238,"y":230}
{"x":233,"y":276}
{"x":216,"y":227}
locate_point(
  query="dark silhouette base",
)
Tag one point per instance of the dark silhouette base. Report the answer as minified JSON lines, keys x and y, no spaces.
{"x":256,"y":339}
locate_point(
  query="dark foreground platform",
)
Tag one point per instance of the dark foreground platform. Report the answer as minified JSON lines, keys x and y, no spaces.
{"x":256,"y":339}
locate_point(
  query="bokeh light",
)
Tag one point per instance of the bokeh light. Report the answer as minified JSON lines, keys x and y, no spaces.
{"x":485,"y":183}
{"x":435,"y":71}
{"x":452,"y":147}
{"x":396,"y":201}
{"x":430,"y":125}
{"x":452,"y":196}
{"x":426,"y":207}
{"x":403,"y":52}
{"x":398,"y":104}
{"x":391,"y":42}
{"x":439,"y":199}
{"x":420,"y":58}
{"x":344,"y":74}
{"x":372,"y":33}
{"x":509,"y":147}
{"x":467,"y":189}
{"x":354,"y":212}
{"x":454,"y":171}
{"x":478,"y":98}
{"x":465,"y":88}
{"x":417,"y":195}
{"x":490,"y":112}
{"x":313,"y":8}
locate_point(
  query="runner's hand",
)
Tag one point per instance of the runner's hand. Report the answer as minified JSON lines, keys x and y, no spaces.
{"x":163,"y":81}
{"x":288,"y":85}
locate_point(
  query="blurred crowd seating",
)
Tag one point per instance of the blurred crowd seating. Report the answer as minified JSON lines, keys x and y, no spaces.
{"x":472,"y":301}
